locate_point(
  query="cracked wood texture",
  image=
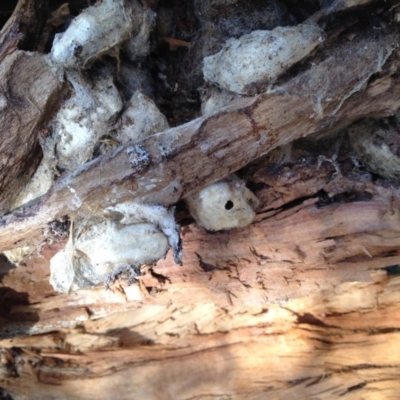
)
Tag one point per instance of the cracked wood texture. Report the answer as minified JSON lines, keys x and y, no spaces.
{"x":28,"y":92}
{"x":297,"y":305}
{"x":338,"y":343}
{"x":269,"y":310}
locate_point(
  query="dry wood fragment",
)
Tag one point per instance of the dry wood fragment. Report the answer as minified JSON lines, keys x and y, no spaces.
{"x":193,"y":155}
{"x":28,"y":92}
{"x":290,"y":251}
{"x":335,"y":343}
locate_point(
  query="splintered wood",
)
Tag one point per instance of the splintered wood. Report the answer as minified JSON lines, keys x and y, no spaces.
{"x":338,"y":343}
{"x":301,"y":304}
{"x":285,"y":254}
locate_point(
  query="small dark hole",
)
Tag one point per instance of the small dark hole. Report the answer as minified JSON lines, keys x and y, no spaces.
{"x":228,"y":205}
{"x":393,"y":270}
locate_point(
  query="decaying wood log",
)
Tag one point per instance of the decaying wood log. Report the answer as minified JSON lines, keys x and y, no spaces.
{"x":336,"y":343}
{"x":28,"y":92}
{"x":291,"y":250}
{"x":297,"y":305}
{"x":330,"y":94}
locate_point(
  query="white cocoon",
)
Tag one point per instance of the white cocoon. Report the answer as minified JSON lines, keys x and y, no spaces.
{"x":225,"y":204}
{"x":260,"y":56}
{"x":114,"y":243}
{"x":83,"y":120}
{"x":100,"y":252}
{"x":39,"y":184}
{"x":142,"y":118}
{"x":92,"y":33}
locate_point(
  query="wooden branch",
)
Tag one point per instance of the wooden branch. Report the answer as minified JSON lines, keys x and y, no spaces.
{"x":168,"y":166}
{"x":336,"y":343}
{"x":23,"y":28}
{"x":293,"y":253}
{"x":28,"y":92}
{"x":287,"y":253}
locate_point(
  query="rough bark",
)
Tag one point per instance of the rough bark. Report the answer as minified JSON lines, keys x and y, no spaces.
{"x":28,"y":91}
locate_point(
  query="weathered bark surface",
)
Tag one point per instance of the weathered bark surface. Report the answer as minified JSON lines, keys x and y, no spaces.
{"x":28,"y":91}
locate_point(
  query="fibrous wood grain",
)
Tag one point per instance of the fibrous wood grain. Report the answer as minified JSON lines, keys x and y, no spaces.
{"x":235,"y":321}
{"x":336,"y":343}
{"x":28,"y":91}
{"x":291,"y":250}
